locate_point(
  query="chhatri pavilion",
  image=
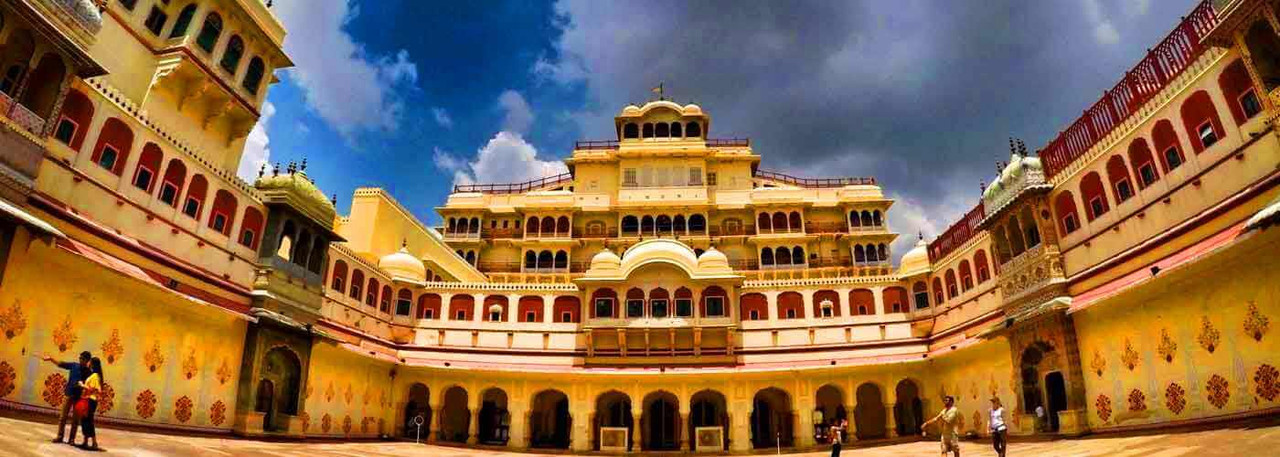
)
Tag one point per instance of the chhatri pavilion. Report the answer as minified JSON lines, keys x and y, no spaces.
{"x":668,"y":292}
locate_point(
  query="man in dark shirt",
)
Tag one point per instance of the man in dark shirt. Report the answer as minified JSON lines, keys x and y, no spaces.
{"x":76,"y":372}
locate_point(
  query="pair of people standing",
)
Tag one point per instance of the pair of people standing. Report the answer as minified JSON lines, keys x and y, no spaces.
{"x":950,"y":417}
{"x":84,"y":384}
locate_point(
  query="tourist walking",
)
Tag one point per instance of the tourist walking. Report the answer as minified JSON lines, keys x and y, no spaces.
{"x":999,"y":431}
{"x":947,"y":419}
{"x":76,"y":372}
{"x":837,"y":436}
{"x":91,"y":386}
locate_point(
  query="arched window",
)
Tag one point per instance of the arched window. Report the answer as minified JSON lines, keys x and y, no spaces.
{"x":475,"y":225}
{"x":545,"y":260}
{"x":44,"y":85}
{"x":697,"y":224}
{"x":548,"y":227}
{"x":859,"y":254}
{"x":253,"y":75}
{"x":530,"y":260}
{"x":231,"y":57}
{"x":780,"y":222}
{"x":795,"y":222}
{"x":357,"y":281}
{"x":630,"y":131}
{"x":866,"y":219}
{"x":663,"y":223}
{"x":854,"y":220}
{"x":1238,"y":90}
{"x":562,"y":226}
{"x":194,"y":204}
{"x":384,"y":305}
{"x":678,"y":225}
{"x":693,"y":130}
{"x":676,"y":130}
{"x":209,"y":32}
{"x":144,"y":175}
{"x":938,"y":296}
{"x":339,"y":275}
{"x":1029,"y":228}
{"x":429,"y":306}
{"x":980,"y":264}
{"x":782,"y":256}
{"x":766,"y":257}
{"x":635,"y":303}
{"x":646,"y":225}
{"x":647,"y":131}
{"x":1201,"y":122}
{"x":1264,"y":46}
{"x":797,"y":255}
{"x":224,"y":210}
{"x":77,"y":112}
{"x":662,"y":130}
{"x":471,"y":257}
{"x":562,"y":260}
{"x":1065,"y":205}
{"x":872,"y":255}
{"x":404,"y":302}
{"x":184,"y":21}
{"x":921,"y":294}
{"x":952,"y":290}
{"x":250,"y":227}
{"x":1143,"y":162}
{"x":876,"y":219}
{"x":1167,"y":147}
{"x":764,"y":223}
{"x":630,"y":225}
{"x":114,"y":143}
{"x":1095,"y":197}
{"x":371,"y":292}
{"x":884,"y":252}
{"x":1017,"y":244}
{"x":1118,"y":175}
{"x":531,"y":227}
{"x":966,"y":275}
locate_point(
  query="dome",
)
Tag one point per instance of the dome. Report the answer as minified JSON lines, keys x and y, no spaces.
{"x":1012,"y":176}
{"x":402,"y":264}
{"x":713,"y":260}
{"x":692,"y":110}
{"x":606,"y":262}
{"x":631,"y":110}
{"x":915,"y":261}
{"x":295,"y":189}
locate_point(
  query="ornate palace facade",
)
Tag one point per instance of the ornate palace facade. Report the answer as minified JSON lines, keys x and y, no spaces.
{"x":666,"y":293}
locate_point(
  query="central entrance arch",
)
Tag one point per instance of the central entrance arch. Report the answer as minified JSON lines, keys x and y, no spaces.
{"x":830,"y":403}
{"x":454,"y":416}
{"x":549,"y":420}
{"x":660,"y":424}
{"x":613,"y":410}
{"x":908,"y":412}
{"x":419,"y":405}
{"x":771,"y":419}
{"x":870,"y":412}
{"x":708,"y":408}
{"x":495,"y":420}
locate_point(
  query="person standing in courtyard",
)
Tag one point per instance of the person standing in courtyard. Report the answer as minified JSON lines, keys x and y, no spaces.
{"x":999,"y":431}
{"x":91,"y":387}
{"x":76,"y":372}
{"x":948,"y":418}
{"x":836,"y":432}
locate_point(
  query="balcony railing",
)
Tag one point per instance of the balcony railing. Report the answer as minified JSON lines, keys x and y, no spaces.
{"x":515,"y":188}
{"x":592,"y":145}
{"x":459,"y":235}
{"x":728,"y":142}
{"x":502,"y":233}
{"x":867,"y":228}
{"x":827,"y":227}
{"x":21,"y":115}
{"x":731,"y":230}
{"x":958,"y":234}
{"x":611,"y":232}
{"x":814,"y":183}
{"x":1161,"y":65}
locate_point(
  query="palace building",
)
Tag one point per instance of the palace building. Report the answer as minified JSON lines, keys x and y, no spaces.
{"x":667,"y":293}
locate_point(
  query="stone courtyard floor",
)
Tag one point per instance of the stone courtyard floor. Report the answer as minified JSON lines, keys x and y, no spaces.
{"x":27,"y":438}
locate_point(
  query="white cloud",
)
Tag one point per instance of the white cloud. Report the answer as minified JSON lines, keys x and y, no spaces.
{"x":442,"y":117}
{"x":1104,"y":32}
{"x":351,"y":90}
{"x":519,"y":116}
{"x":446,"y":161}
{"x":506,"y":158}
{"x":257,"y":151}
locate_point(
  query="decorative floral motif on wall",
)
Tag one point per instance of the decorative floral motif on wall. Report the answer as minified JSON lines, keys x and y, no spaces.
{"x":1129,"y":357}
{"x":364,"y":425}
{"x":64,"y":336}
{"x":346,"y":425}
{"x":1255,"y":323}
{"x":328,"y":393}
{"x":306,"y":421}
{"x":326,"y":422}
{"x":960,"y":423}
{"x":306,"y":393}
{"x":112,"y":348}
{"x":153,"y":359}
{"x":1099,"y":364}
{"x":189,"y":365}
{"x":1209,"y":335}
{"x":348,"y":395}
{"x":1103,"y":406}
{"x":1218,"y":392}
{"x":12,"y":321}
{"x":106,"y":399}
{"x":977,"y":422}
{"x":1175,"y":398}
{"x":8,"y":379}
{"x":218,"y":412}
{"x":224,"y":372}
{"x":1137,"y":400}
{"x":54,"y":385}
{"x":368,"y":394}
{"x":146,"y":404}
{"x":1168,"y":348}
{"x":1264,"y":382}
{"x":182,"y":409}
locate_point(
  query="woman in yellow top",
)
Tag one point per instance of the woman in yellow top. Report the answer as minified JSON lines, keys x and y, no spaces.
{"x":92,"y":387}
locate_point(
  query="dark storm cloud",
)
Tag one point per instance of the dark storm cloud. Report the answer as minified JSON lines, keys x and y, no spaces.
{"x":922,"y":95}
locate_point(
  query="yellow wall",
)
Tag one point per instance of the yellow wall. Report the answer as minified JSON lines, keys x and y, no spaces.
{"x":343,"y":385}
{"x":973,"y":375}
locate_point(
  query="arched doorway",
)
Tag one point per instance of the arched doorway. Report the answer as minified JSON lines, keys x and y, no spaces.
{"x":613,"y":410}
{"x":282,"y":373}
{"x":418,"y":406}
{"x":708,"y":408}
{"x":454,"y":416}
{"x":869,"y":413}
{"x":908,"y":412}
{"x":495,"y":420}
{"x":660,"y":424}
{"x":1032,"y":397}
{"x":1056,"y":388}
{"x":549,"y":421}
{"x":771,"y":419}
{"x":830,"y":404}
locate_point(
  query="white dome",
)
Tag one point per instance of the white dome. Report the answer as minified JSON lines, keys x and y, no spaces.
{"x":631,"y":110}
{"x":713,"y":260}
{"x":692,"y":110}
{"x":915,"y":261}
{"x":404,"y":265}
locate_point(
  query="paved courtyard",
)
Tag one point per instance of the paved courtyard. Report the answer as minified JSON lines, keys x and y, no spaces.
{"x":26,"y":438}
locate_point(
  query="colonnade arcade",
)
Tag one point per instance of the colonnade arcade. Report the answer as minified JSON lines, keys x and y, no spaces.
{"x":675,"y":418}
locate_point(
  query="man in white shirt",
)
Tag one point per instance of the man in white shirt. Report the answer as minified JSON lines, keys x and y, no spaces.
{"x":948,"y":418}
{"x":998,"y":429}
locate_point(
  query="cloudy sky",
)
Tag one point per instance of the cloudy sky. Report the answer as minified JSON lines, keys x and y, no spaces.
{"x":414,"y":96}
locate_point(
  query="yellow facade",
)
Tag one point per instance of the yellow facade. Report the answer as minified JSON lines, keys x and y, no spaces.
{"x":667,"y":293}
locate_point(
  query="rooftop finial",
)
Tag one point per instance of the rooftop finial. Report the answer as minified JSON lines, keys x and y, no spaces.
{"x":404,"y":243}
{"x":658,"y":90}
{"x":921,"y":235}
{"x":1013,"y":146}
{"x":275,"y":171}
{"x":1022,"y":148}
{"x":982,"y":185}
{"x":262,"y":170}
{"x":333,"y":199}
{"x":293,"y":167}
{"x":304,"y":163}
